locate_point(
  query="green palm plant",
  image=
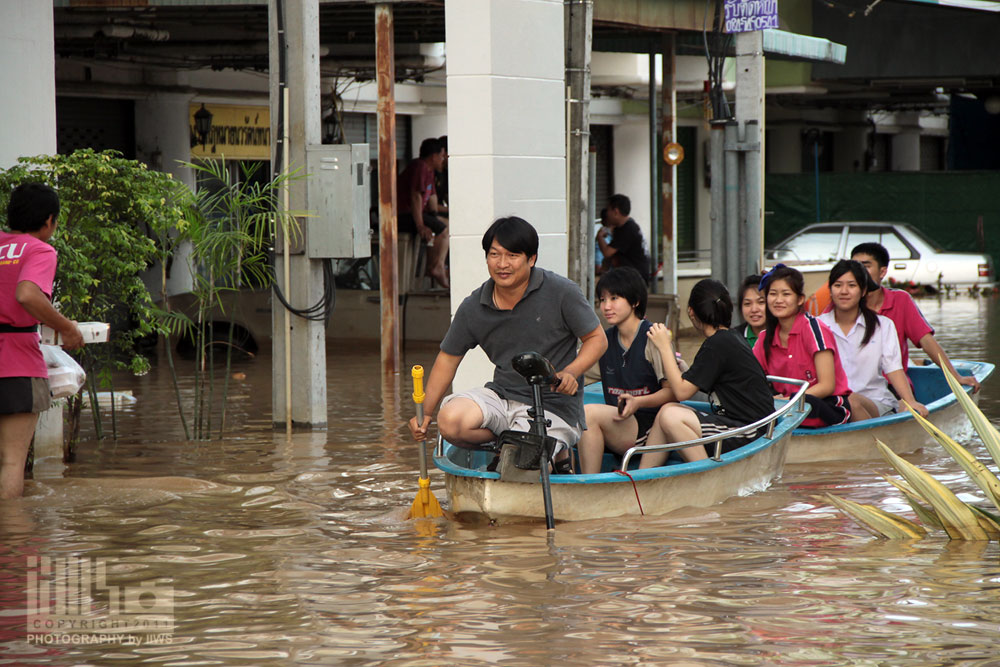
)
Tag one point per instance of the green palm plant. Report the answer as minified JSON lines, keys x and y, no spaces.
{"x":933,"y":503}
{"x":230,"y":225}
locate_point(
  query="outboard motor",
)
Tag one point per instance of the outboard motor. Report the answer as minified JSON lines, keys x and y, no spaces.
{"x":521,"y":451}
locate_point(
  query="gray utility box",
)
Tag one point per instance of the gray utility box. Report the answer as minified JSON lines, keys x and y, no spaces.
{"x":338,"y":198}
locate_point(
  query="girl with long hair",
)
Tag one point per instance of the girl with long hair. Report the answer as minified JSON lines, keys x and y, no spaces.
{"x":797,"y":345}
{"x":724,"y":368}
{"x":868,"y":344}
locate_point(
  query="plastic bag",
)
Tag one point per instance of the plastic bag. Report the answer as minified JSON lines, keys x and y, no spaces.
{"x":66,"y":377}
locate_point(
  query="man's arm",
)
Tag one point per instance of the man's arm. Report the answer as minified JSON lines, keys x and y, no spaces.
{"x":417,"y":211}
{"x":592,"y":348}
{"x":33,"y":300}
{"x":440,"y":378}
{"x":934,"y":350}
{"x":901,"y":384}
{"x":606,"y":248}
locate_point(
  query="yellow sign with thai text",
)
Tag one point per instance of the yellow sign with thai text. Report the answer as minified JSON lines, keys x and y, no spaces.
{"x":235,"y":132}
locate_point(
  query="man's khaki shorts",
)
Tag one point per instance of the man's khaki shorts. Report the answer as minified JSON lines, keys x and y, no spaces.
{"x":501,"y":415}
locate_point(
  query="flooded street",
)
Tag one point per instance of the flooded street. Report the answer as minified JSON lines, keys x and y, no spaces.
{"x":297,"y":551}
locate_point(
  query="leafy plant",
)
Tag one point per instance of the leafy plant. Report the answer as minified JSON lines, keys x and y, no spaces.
{"x":932,"y":502}
{"x":107,"y":204}
{"x":229,"y":223}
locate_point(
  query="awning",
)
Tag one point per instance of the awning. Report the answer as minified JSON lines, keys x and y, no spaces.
{"x":804,"y":47}
{"x":979,"y":5}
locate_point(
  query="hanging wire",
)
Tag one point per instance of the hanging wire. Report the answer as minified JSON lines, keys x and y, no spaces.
{"x":717,"y":45}
{"x":322,"y":309}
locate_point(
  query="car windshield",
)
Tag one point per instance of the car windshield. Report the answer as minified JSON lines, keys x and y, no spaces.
{"x":818,"y":245}
{"x":933,"y":245}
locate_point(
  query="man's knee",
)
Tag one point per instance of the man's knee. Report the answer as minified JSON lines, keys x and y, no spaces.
{"x":459,"y":416}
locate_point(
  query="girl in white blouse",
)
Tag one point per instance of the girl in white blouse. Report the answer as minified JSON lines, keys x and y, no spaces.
{"x":868,"y":345}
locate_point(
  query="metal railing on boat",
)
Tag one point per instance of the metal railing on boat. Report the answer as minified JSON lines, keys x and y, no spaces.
{"x":797,"y":400}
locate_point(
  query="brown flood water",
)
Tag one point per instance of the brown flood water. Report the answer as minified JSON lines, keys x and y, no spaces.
{"x":298,"y":552}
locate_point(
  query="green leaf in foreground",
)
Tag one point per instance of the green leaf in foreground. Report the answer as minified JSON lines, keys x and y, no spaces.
{"x":986,"y":430}
{"x":960,"y":522}
{"x":879,"y":522}
{"x":979,"y":473}
{"x":925,"y":514}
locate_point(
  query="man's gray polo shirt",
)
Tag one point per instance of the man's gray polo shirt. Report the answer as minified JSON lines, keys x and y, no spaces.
{"x":549,"y":319}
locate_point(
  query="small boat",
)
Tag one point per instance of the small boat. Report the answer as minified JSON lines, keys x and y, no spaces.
{"x":899,"y":431}
{"x":475,"y":491}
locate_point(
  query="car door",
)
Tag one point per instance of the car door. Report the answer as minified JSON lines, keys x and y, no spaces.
{"x":903,"y":257}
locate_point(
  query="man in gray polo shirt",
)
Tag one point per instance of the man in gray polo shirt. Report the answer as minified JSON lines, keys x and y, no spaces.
{"x":521,"y":308}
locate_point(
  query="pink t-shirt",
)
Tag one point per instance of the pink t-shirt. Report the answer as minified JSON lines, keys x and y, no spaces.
{"x":899,"y":307}
{"x":22,"y":257}
{"x":807,"y":337}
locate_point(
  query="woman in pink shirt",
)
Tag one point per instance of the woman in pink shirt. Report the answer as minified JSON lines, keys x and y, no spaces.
{"x":797,"y":345}
{"x":27,"y":270}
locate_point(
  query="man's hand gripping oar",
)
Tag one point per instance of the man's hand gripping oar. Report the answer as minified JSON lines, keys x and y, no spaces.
{"x":425,"y":504}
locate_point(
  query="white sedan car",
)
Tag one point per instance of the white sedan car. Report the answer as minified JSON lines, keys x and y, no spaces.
{"x":912,"y":256}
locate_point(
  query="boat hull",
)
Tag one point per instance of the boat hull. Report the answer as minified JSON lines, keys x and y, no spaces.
{"x":472,"y":490}
{"x":900,"y":432}
{"x":506,"y":501}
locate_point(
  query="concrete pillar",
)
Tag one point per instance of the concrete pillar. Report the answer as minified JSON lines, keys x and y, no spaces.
{"x":849,"y":149}
{"x":27,"y":80}
{"x":784,"y":151}
{"x":49,"y":432}
{"x":906,"y":150}
{"x":750,"y":111}
{"x":162,"y":135}
{"x":28,"y":98}
{"x":631,"y":169}
{"x":163,"y":141}
{"x":308,"y":338}
{"x":506,"y":137}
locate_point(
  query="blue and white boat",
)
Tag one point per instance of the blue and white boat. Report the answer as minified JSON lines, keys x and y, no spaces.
{"x":473,"y":490}
{"x":899,"y":431}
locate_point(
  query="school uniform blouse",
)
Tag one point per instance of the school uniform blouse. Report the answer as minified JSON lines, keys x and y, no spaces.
{"x":865,"y":365}
{"x":807,"y":337}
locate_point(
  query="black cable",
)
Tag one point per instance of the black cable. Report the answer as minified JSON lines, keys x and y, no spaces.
{"x":322,"y":309}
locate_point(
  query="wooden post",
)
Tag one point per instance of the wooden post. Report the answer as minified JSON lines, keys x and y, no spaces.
{"x":389,"y":273}
{"x":668,"y":78}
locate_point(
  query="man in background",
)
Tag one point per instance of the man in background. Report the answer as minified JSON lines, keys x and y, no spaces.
{"x":626,"y":247}
{"x":417,"y":204}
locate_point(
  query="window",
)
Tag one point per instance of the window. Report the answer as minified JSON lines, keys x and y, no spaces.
{"x":817,"y":246}
{"x":898,"y":249}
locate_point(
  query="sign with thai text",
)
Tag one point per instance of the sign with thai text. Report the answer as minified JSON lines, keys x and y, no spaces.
{"x":750,"y":15}
{"x":236,"y":132}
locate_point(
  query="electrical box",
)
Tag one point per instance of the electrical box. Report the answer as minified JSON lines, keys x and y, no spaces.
{"x":338,"y":196}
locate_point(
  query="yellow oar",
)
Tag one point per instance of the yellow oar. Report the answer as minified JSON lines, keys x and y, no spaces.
{"x":425,"y":504}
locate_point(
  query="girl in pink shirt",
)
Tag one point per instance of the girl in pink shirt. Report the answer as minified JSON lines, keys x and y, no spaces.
{"x":27,"y":269}
{"x":797,"y":345}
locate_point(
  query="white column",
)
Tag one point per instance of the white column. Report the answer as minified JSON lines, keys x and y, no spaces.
{"x":849,"y":148}
{"x":28,"y":100}
{"x":307,"y":342}
{"x":906,"y":150}
{"x":785,"y":150}
{"x":506,"y":137}
{"x":631,"y":169}
{"x":163,"y":141}
{"x":162,"y":134}
{"x":27,"y":80}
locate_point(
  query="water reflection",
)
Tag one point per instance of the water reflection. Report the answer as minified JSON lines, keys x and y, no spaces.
{"x":297,"y":551}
